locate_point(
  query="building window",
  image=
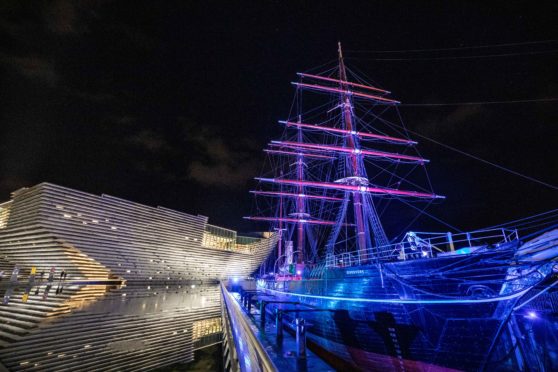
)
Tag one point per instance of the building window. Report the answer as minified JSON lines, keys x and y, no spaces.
{"x":206,"y":327}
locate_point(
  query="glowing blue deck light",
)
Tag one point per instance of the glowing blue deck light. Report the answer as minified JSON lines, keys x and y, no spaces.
{"x":235,"y":280}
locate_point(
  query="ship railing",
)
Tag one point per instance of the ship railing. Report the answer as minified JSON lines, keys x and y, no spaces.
{"x":421,"y":245}
{"x":343,"y":259}
{"x":447,"y":242}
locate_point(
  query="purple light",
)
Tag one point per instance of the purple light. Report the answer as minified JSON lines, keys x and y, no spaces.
{"x":298,"y":272}
{"x":315,"y":146}
{"x":338,"y":186}
{"x":294,"y":195}
{"x":343,"y":82}
{"x":348,"y":92}
{"x":293,"y":220}
{"x":345,"y":131}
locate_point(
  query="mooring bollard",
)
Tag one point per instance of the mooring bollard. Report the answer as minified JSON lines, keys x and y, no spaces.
{"x":262,"y":315}
{"x":300,"y":338}
{"x":279,"y":325}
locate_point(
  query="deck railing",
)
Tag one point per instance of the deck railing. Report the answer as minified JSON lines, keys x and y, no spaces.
{"x":420,"y":245}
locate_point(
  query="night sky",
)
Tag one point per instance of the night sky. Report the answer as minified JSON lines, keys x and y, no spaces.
{"x":170,"y":103}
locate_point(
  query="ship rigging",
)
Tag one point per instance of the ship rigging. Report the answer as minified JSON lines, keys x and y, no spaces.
{"x":319,"y":193}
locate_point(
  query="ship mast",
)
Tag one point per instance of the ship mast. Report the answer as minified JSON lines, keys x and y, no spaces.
{"x":307,"y":195}
{"x":300,"y":201}
{"x":354,"y":158}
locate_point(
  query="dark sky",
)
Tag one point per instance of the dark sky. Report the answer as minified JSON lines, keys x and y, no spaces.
{"x":170,"y":103}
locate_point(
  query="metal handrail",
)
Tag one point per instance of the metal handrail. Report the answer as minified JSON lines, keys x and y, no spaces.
{"x":252,"y":356}
{"x":423,"y":244}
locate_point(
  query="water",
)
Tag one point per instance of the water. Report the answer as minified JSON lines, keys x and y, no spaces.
{"x":79,"y":326}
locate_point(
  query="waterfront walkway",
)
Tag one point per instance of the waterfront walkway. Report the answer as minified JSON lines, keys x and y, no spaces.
{"x":258,"y":337}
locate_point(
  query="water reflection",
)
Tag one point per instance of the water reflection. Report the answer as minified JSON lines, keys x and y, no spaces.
{"x":54,"y":323}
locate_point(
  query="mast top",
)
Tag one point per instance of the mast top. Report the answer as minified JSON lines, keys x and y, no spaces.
{"x":342,"y":72}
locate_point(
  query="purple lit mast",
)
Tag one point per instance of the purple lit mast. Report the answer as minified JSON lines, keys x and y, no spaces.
{"x":300,"y":207}
{"x":355,"y":160}
{"x":328,"y":172}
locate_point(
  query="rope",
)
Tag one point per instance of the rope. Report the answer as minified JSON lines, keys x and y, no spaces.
{"x":551,"y":99}
{"x":431,"y":216}
{"x":522,"y":219}
{"x":458,"y":57}
{"x":486,"y":161}
{"x":454,"y":48}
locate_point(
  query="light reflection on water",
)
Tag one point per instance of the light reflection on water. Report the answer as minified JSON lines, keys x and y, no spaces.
{"x":102,"y":325}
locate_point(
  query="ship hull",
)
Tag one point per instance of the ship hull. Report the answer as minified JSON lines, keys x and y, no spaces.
{"x":400,"y":318}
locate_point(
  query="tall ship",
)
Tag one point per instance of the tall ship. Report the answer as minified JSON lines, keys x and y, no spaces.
{"x":406,"y":301}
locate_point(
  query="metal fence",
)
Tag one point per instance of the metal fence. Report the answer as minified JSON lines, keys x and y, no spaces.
{"x":247,"y":353}
{"x":419,"y":245}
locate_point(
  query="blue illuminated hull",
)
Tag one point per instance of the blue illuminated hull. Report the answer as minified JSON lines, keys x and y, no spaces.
{"x":443,"y":313}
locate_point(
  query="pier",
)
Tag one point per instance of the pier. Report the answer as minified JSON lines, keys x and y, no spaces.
{"x":265,"y":333}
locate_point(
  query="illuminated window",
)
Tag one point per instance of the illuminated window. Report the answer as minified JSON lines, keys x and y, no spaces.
{"x":220,"y":238}
{"x":206,"y":327}
{"x":4,"y":214}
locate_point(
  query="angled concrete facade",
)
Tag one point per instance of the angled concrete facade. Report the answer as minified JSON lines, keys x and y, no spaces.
{"x":168,"y":264}
{"x":100,"y":237}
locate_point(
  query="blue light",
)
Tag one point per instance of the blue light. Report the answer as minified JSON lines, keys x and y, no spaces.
{"x":532,"y":315}
{"x":405,"y":301}
{"x":235,"y":280}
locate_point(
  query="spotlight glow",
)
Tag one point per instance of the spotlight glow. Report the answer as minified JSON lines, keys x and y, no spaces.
{"x":532,"y":315}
